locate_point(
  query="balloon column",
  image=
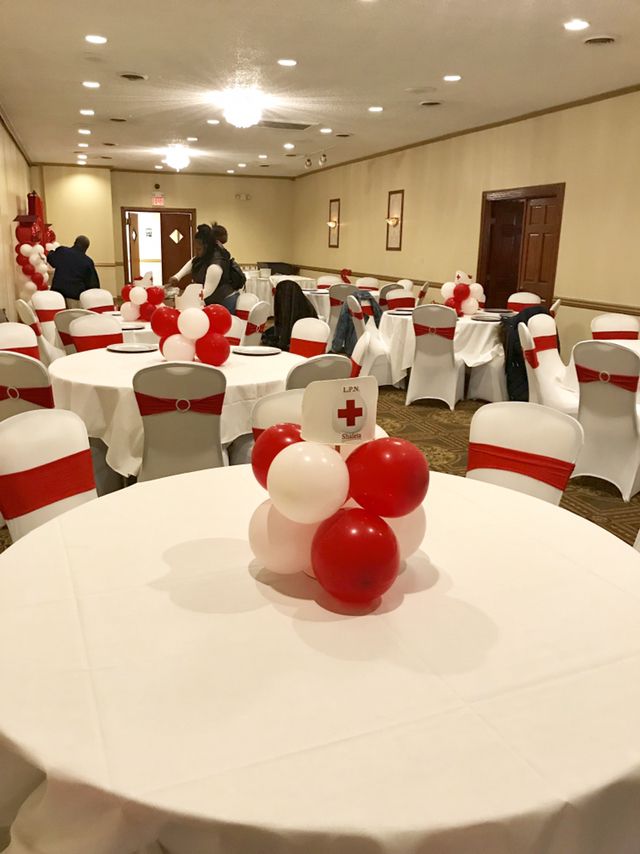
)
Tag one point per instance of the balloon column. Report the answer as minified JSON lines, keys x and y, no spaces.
{"x":192,"y":333}
{"x":348,"y":521}
{"x":34,"y":238}
{"x":464,"y":295}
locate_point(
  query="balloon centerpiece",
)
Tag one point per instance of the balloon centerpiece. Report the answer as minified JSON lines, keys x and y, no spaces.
{"x":346,"y":518}
{"x":35,"y":238}
{"x":193,"y":333}
{"x":464,"y":295}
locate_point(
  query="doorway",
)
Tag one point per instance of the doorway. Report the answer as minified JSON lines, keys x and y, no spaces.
{"x":155,"y":241}
{"x":519,"y":241}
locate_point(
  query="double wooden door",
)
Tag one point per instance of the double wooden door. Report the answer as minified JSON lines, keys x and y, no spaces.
{"x":176,"y":240}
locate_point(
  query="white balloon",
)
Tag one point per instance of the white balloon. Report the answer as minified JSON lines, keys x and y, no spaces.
{"x":45,"y":278}
{"x":278,"y":543}
{"x":469,"y":306}
{"x":48,"y":247}
{"x":447,"y":290}
{"x":26,"y":249}
{"x":129,"y":311}
{"x":177,"y":348}
{"x":42,"y":267}
{"x":308,"y":482}
{"x":39,"y":248}
{"x":409,"y":531}
{"x":35,"y":259}
{"x":476,"y":291}
{"x":138,"y":295}
{"x":27,"y":291}
{"x":55,"y":245}
{"x":193,"y":323}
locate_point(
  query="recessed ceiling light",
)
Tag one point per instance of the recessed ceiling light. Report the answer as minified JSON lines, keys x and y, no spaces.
{"x":326,"y":130}
{"x":90,"y":84}
{"x":288,"y":145}
{"x":81,"y":158}
{"x":242,"y":165}
{"x":95,"y":39}
{"x":83,"y":145}
{"x":231,"y":171}
{"x":262,"y":156}
{"x":452,"y":78}
{"x":576,"y":24}
{"x":87,"y":112}
{"x":192,"y":139}
{"x":159,"y":167}
{"x":213,"y":121}
{"x":288,"y":63}
{"x":376,"y":109}
{"x":84,"y":131}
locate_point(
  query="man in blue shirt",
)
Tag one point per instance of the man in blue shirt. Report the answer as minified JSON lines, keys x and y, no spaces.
{"x":74,"y":270}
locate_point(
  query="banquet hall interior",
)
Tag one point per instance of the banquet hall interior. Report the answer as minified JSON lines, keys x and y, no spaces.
{"x":319,"y":427}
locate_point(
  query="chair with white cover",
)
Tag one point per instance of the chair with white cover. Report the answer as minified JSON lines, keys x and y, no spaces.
{"x":235,"y":331}
{"x":636,"y":543}
{"x":19,"y":338}
{"x":325,"y":282}
{"x":521,"y":300}
{"x":530,"y":362}
{"x":46,"y":305}
{"x":191,"y":297}
{"x":524,"y":446}
{"x":245,"y":303}
{"x":98,"y":300}
{"x":615,"y":327}
{"x":544,"y":332}
{"x":309,"y":337}
{"x":424,"y":291}
{"x":282,"y":407}
{"x":437,"y":373}
{"x":405,"y":284}
{"x":357,"y":315}
{"x":24,"y":385}
{"x":489,"y":381}
{"x":378,"y":360}
{"x":63,"y":321}
{"x":367,"y":283}
{"x":48,"y":353}
{"x":256,"y":322}
{"x":359,"y":357}
{"x":180,"y":405}
{"x":608,"y":377}
{"x":382,"y":295}
{"x":400,"y":298}
{"x":554,"y":385}
{"x":554,"y":307}
{"x":337,"y":296}
{"x":94,"y":332}
{"x":329,"y":366}
{"x":45,"y":468}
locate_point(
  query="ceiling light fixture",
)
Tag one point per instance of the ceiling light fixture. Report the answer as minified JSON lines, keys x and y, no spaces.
{"x":177,"y":156}
{"x":575,"y":25}
{"x":231,"y":171}
{"x":376,"y":109}
{"x":393,"y":221}
{"x":213,"y":121}
{"x":90,"y":84}
{"x":326,"y":130}
{"x":308,"y":163}
{"x":95,"y":39}
{"x":452,"y":78}
{"x":242,"y":165}
{"x":84,"y":131}
{"x":332,"y":223}
{"x":288,"y":63}
{"x":87,"y":112}
{"x":243,"y":106}
{"x":262,"y":156}
{"x":192,"y":139}
{"x":159,"y":166}
{"x":83,"y":145}
{"x":322,"y":160}
{"x":81,"y":163}
{"x":288,"y":146}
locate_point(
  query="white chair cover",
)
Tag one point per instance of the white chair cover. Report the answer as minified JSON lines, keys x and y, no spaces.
{"x":324,"y":282}
{"x":279,"y":408}
{"x":385,"y":290}
{"x":524,"y":446}
{"x":327,"y":367}
{"x":615,"y":327}
{"x":530,"y":361}
{"x":437,"y":373}
{"x":608,"y":414}
{"x":51,"y":445}
{"x":523,"y":299}
{"x":554,"y":307}
{"x":359,"y":357}
{"x":400,"y":298}
{"x":356,"y":314}
{"x":337,"y":296}
{"x":98,"y":300}
{"x":309,"y":337}
{"x":63,"y":321}
{"x":378,"y":360}
{"x":557,"y":387}
{"x":245,"y":303}
{"x":24,"y":385}
{"x":180,"y":405}
{"x":48,"y":353}
{"x":19,"y":338}
{"x":367,"y":283}
{"x":94,"y":331}
{"x":405,"y":284}
{"x":236,"y":331}
{"x":424,"y":290}
{"x":191,"y":297}
{"x":256,"y":322}
{"x":46,"y":305}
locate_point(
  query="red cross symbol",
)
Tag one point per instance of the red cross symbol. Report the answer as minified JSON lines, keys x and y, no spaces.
{"x":351,"y":413}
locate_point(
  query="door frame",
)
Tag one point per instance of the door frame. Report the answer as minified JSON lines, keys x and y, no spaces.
{"x":138,"y":208}
{"x":514,"y":194}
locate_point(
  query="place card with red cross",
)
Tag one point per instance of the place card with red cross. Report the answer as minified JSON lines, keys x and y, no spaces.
{"x":340,"y":412}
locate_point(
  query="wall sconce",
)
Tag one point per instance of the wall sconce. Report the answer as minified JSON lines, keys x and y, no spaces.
{"x":393,"y":221}
{"x":332,"y":223}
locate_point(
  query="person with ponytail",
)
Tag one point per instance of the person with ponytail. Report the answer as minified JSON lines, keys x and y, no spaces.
{"x":209,"y":267}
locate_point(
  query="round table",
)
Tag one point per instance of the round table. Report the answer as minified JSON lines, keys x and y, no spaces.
{"x":262,"y":288}
{"x":97,"y":386}
{"x":159,"y":686}
{"x":475,"y":342}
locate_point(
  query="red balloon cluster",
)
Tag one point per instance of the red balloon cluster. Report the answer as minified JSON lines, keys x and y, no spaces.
{"x":461,"y":292}
{"x":211,"y":347}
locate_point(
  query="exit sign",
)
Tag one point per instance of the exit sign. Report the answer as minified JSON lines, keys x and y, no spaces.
{"x":157,"y":200}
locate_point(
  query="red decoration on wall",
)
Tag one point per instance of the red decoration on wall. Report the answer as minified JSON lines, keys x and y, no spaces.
{"x":33,"y":230}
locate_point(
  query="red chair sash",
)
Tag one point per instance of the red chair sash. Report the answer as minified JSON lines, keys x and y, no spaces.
{"x":148,"y":404}
{"x":401,"y":302}
{"x":23,"y":351}
{"x":355,"y":369}
{"x":358,"y":315}
{"x":383,"y":302}
{"x":101,"y":309}
{"x":618,"y":334}
{"x":242,"y":313}
{"x":41,"y":396}
{"x":367,"y":310}
{"x":520,"y":306}
{"x":545,"y":342}
{"x":335,"y":302}
{"x":82,"y":343}
{"x":234,"y":342}
{"x":44,"y":315}
{"x":323,"y":287}
{"x":548,"y":470}
{"x":36,"y":328}
{"x":442,"y":331}
{"x":66,"y":338}
{"x":25,"y":491}
{"x":624,"y":381}
{"x":302,"y":347}
{"x":252,"y":328}
{"x":532,"y":358}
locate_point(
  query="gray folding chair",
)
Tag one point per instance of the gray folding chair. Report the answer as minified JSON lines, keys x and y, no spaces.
{"x":27,"y":383}
{"x":327,"y":367}
{"x":48,"y":353}
{"x":337,"y":296}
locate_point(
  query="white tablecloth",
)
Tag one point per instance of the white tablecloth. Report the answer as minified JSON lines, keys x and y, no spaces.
{"x":262,"y":289}
{"x":133,"y":335}
{"x":475,"y":342}
{"x":304,"y":281}
{"x":97,"y":386}
{"x":158,"y":686}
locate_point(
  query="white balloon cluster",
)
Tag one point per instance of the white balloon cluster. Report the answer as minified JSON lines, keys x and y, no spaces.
{"x":463,"y":294}
{"x":34,"y":270}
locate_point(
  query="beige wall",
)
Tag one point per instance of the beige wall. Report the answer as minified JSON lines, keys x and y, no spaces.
{"x":593,"y":148}
{"x":14,"y":186}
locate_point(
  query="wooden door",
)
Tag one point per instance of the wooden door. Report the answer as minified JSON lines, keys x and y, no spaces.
{"x":540,"y":242}
{"x":505,"y":240}
{"x":176,"y":230}
{"x":134,"y":245}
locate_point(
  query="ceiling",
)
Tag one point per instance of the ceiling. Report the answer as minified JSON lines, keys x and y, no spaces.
{"x":514,"y":57}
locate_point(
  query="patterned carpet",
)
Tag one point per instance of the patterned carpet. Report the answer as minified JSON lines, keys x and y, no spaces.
{"x":444,"y":435}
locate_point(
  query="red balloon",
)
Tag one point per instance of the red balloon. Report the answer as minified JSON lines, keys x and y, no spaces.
{"x":42,"y":287}
{"x":389,"y":477}
{"x":213,"y":349}
{"x":451,"y":303}
{"x":269,"y":444}
{"x":22,"y":261}
{"x":50,"y":236}
{"x":125,"y":293}
{"x":17,"y":248}
{"x":461,"y":292}
{"x":147,"y":310}
{"x":28,"y":269}
{"x":219,"y":318}
{"x":355,"y":555}
{"x":165,"y":321}
{"x":36,"y":278}
{"x":161,"y":344}
{"x":155,"y":295}
{"x":24,"y":234}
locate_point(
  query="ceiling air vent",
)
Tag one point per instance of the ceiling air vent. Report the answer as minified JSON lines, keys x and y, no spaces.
{"x":597,"y":40}
{"x":110,"y":144}
{"x":130,"y":75}
{"x":117,"y":120}
{"x":283,"y":125}
{"x":343,"y":135}
{"x":430,"y":103}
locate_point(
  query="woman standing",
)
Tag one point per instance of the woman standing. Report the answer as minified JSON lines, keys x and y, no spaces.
{"x":209,"y":267}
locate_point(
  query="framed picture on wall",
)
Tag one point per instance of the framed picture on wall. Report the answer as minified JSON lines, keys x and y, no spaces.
{"x":333,"y":224}
{"x":395,"y":210}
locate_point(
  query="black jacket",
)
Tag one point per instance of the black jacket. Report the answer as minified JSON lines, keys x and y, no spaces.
{"x":75,"y":272}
